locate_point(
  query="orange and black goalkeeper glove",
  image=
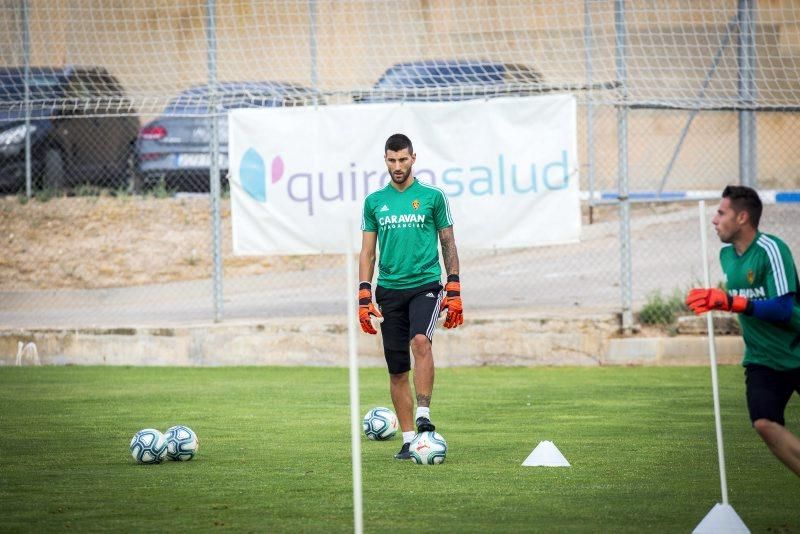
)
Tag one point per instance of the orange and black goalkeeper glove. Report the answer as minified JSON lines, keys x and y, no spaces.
{"x":366,"y":308}
{"x":701,"y":300}
{"x":452,"y":301}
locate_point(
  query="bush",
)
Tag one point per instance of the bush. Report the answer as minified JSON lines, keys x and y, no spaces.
{"x":161,"y":190}
{"x":87,"y":190}
{"x":660,"y":310}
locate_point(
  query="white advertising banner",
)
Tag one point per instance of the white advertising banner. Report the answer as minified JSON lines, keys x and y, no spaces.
{"x":508,"y":166}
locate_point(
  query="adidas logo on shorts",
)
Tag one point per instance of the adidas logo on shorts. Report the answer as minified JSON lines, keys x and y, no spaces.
{"x":430,"y":295}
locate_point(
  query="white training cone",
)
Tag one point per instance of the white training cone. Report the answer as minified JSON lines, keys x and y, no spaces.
{"x":546,"y":454}
{"x":722,"y":519}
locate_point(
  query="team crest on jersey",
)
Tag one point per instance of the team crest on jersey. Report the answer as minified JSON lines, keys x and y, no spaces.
{"x":415,"y":204}
{"x":750,"y":277}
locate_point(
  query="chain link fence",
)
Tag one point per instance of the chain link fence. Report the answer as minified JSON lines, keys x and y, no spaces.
{"x":106,"y":147}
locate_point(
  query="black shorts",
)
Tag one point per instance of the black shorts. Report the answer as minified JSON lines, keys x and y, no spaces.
{"x":406,"y":313}
{"x":768,"y":391}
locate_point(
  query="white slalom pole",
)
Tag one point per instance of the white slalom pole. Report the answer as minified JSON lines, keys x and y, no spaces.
{"x":355,"y":417}
{"x":722,"y":517}
{"x":712,"y":352}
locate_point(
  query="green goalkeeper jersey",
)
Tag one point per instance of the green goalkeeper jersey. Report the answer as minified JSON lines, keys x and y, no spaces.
{"x":766,"y":270}
{"x":408,"y":225}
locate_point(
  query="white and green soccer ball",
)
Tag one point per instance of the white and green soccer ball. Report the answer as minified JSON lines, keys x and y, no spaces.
{"x":148,"y":446}
{"x":182,"y":443}
{"x":428,"y":448}
{"x":380,"y":424}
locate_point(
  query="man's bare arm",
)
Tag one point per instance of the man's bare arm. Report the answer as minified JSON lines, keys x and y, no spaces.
{"x":366,"y":259}
{"x":449,"y":251}
{"x":452,"y":297}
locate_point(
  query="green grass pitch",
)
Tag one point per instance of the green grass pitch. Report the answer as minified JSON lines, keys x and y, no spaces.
{"x":275,"y":452}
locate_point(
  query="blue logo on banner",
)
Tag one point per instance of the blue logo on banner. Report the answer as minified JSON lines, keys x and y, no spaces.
{"x":253,"y":175}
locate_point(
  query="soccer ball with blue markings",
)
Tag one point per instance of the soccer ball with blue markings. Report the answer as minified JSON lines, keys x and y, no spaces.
{"x":380,"y":424}
{"x":148,"y":446}
{"x":182,"y":443}
{"x":428,"y":448}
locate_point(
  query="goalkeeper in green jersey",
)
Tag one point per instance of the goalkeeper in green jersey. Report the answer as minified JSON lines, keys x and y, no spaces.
{"x":407,"y":220}
{"x":761,"y":284}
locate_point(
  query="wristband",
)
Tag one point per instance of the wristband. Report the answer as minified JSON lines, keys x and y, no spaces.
{"x":453,"y":278}
{"x":738,"y":304}
{"x":364,"y":294}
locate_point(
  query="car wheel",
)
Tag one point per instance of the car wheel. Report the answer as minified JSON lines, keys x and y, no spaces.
{"x":54,"y":170}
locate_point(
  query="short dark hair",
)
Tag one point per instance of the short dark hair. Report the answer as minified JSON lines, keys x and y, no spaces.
{"x":744,"y":198}
{"x":398,"y":142}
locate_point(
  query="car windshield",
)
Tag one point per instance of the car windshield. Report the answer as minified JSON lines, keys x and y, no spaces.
{"x":445,"y":74}
{"x":257,"y":96}
{"x":42,"y":87}
{"x":450,"y":74}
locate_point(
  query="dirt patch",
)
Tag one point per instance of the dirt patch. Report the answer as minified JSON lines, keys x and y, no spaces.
{"x":98,"y":242}
{"x":107,"y":241}
{"x":104,"y":241}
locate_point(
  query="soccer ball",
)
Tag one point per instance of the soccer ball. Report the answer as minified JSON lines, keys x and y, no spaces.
{"x":148,"y":446}
{"x":428,"y":448}
{"x":380,"y":424}
{"x":181,"y":443}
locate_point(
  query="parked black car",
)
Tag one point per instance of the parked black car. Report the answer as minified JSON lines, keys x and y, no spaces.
{"x":453,"y":80}
{"x":174,"y":148}
{"x":78,"y":135}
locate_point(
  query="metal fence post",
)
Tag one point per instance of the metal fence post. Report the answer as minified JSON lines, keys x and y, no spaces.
{"x":214,"y":153}
{"x":26,"y":54}
{"x":588,"y":41}
{"x":626,"y":282}
{"x":312,"y":38}
{"x":746,"y":58}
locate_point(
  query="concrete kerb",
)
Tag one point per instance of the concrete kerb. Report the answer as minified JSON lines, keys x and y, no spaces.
{"x":523,"y":339}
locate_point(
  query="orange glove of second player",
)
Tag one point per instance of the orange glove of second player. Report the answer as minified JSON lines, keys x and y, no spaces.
{"x":701,"y":300}
{"x":366,"y":309}
{"x":452,"y":301}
